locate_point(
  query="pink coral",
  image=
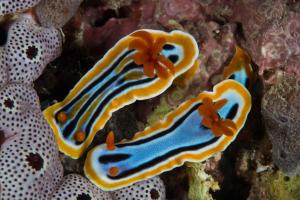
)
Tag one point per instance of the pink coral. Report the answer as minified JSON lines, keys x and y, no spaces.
{"x":149,"y":189}
{"x":280,"y":48}
{"x":178,"y":10}
{"x":74,"y":186}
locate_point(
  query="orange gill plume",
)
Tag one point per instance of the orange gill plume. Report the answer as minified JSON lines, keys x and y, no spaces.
{"x":149,"y":54}
{"x":211,"y":119}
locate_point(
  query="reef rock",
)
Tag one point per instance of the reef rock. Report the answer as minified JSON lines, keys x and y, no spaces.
{"x":281,"y":111}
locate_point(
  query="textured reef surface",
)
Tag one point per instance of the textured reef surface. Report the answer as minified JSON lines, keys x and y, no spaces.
{"x":46,"y":47}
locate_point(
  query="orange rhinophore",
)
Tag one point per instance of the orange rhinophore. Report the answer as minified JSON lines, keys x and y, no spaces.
{"x":110,"y":141}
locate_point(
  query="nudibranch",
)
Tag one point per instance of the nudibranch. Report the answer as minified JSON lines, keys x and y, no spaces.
{"x":140,"y":66}
{"x":196,"y":130}
{"x":240,"y":68}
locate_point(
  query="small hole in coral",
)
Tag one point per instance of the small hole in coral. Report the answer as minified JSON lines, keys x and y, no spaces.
{"x":35,"y":161}
{"x":283,"y":119}
{"x":8,"y":103}
{"x":107,"y":14}
{"x":31,"y":52}
{"x":268,"y":74}
{"x":282,"y":154}
{"x":154,"y":194}
{"x":286,"y":178}
{"x":84,"y":196}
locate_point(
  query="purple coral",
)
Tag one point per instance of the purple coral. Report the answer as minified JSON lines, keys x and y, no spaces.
{"x":17,"y":102}
{"x":74,"y":186}
{"x":30,"y":165}
{"x":149,"y":189}
{"x":28,"y":49}
{"x":29,"y":159}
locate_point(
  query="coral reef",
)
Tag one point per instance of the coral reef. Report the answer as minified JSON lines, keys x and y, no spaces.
{"x":74,"y":186}
{"x":30,"y":162}
{"x":30,"y":165}
{"x":149,"y":189}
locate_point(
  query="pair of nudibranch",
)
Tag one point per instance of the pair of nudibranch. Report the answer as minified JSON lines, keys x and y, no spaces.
{"x":140,"y":66}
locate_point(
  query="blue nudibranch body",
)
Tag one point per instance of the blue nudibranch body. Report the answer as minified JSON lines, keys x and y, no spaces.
{"x":179,"y":138}
{"x":116,"y":81}
{"x":182,"y":136}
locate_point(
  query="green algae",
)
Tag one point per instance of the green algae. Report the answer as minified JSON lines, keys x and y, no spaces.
{"x":200,"y":183}
{"x":159,"y":112}
{"x":281,"y":187}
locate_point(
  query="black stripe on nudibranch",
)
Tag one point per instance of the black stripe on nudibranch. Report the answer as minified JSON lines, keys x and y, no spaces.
{"x":113,"y":158}
{"x":109,"y":97}
{"x":233,"y":111}
{"x":232,"y":76}
{"x":98,"y":80}
{"x":160,"y":159}
{"x":72,"y":124}
{"x":168,"y":47}
{"x":165,"y":132}
{"x":173,"y":58}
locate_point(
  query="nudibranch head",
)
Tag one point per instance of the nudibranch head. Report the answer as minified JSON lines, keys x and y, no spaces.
{"x":211,"y":119}
{"x":149,"y":54}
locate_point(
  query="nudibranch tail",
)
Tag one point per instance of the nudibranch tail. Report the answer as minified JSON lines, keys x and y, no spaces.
{"x":181,"y":137}
{"x":140,"y":66}
{"x":240,"y":68}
